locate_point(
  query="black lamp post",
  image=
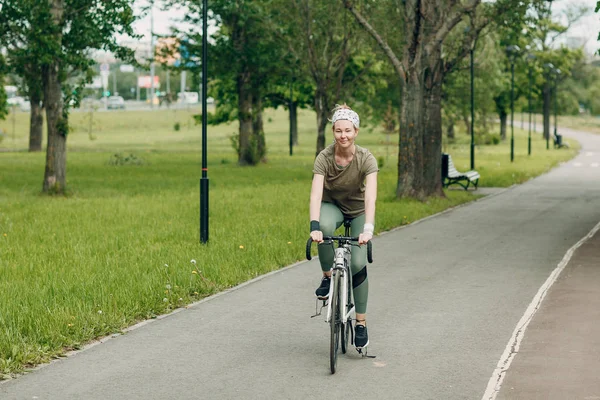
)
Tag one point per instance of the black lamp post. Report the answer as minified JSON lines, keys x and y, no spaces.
{"x":291,"y":104}
{"x":530,"y":58}
{"x":204,"y":179}
{"x":512,"y":52}
{"x":556,"y":75}
{"x":549,"y":70}
{"x":472,"y":51}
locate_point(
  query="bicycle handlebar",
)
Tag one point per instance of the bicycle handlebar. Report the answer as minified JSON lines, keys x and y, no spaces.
{"x":341,"y":239}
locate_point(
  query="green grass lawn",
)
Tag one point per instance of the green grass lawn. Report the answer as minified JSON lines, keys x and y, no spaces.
{"x":118,"y":249}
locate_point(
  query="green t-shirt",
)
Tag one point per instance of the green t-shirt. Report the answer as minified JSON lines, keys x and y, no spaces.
{"x":345,"y":186}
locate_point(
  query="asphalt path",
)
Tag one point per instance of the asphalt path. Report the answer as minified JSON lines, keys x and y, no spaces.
{"x":446,"y":294}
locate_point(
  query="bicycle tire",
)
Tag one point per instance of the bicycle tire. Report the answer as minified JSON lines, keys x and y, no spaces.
{"x":346,"y":325}
{"x":345,"y":333}
{"x":334,"y":323}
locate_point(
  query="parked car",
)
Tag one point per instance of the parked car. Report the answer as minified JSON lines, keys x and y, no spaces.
{"x":115,"y":103}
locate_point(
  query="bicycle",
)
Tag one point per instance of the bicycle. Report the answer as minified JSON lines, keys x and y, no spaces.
{"x":340,"y":301}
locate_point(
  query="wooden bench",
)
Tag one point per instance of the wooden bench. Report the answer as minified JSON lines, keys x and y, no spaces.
{"x":558,"y":143}
{"x":451,"y":176}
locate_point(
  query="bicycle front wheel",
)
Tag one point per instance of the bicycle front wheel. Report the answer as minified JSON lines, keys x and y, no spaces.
{"x":345,"y":326}
{"x":345,"y":333}
{"x":335,"y":323}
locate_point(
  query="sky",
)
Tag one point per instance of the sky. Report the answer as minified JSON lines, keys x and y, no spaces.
{"x":163,"y":20}
{"x":587,"y":28}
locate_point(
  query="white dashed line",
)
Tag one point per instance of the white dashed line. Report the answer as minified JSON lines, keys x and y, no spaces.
{"x":577,"y":164}
{"x":589,"y":153}
{"x":512,"y":348}
{"x":594,"y":164}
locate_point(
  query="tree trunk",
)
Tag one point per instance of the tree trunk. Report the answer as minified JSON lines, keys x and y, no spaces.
{"x":450,"y":130}
{"x":36,"y":123}
{"x":410,"y":149}
{"x":432,"y":134}
{"x":294,"y":122}
{"x":245,"y":120}
{"x":258,"y":131}
{"x":55,"y":177}
{"x":547,"y":97}
{"x":467,"y":122}
{"x":503,"y":117}
{"x":322,"y":111}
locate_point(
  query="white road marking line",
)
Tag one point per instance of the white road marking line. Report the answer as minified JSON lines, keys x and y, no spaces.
{"x":577,"y":164}
{"x":589,"y":153}
{"x":594,"y":164}
{"x":512,"y":348}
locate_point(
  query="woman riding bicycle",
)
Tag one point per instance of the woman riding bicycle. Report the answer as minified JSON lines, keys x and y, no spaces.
{"x":344,"y":187}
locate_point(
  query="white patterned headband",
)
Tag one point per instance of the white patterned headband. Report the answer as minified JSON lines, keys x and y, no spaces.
{"x":346,"y":114}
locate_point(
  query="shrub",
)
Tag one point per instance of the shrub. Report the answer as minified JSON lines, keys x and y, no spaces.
{"x":177,"y":126}
{"x":120,"y":159}
{"x":489,"y":139}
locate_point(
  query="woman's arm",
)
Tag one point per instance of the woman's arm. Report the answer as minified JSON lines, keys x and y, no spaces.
{"x":370,"y":199}
{"x":316,"y":195}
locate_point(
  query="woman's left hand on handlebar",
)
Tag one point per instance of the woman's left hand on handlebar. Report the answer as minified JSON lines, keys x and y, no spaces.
{"x":364,"y":237}
{"x":317,"y":236}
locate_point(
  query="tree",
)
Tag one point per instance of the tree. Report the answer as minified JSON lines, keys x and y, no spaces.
{"x":596,"y":10}
{"x":244,"y":59}
{"x":585,"y":86}
{"x":421,"y":69}
{"x":3,"y":103}
{"x":24,"y":62}
{"x":60,"y":34}
{"x":543,"y":32}
{"x":293,"y":91}
{"x":317,"y":34}
{"x":490,"y":80}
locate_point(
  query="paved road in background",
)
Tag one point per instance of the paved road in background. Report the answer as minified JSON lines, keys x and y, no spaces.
{"x":446,"y":295}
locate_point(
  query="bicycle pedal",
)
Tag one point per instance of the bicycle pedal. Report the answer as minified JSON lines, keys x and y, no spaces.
{"x":317,"y":309}
{"x":365,"y":354}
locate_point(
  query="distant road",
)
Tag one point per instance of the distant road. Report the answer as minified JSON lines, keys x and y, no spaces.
{"x":143,"y":106}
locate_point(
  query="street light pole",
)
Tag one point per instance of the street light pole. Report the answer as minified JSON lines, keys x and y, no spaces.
{"x":472,"y":109}
{"x":152,"y":70}
{"x":204,"y":179}
{"x":548,"y":72}
{"x":556,"y":75}
{"x":512,"y":52}
{"x":512,"y":110}
{"x":530,"y":57}
{"x":291,"y":104}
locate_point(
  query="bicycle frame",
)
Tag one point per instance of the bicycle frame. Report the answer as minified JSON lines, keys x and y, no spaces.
{"x":342,"y":266}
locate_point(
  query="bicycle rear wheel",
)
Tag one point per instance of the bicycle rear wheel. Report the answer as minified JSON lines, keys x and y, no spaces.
{"x":335,"y":323}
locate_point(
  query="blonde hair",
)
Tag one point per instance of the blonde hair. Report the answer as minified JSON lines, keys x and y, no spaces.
{"x":340,"y":107}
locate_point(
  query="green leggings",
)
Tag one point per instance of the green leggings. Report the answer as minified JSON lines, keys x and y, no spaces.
{"x":331,"y":219}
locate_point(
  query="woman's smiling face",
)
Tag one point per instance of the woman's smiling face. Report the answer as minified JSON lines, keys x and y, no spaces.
{"x":344,"y":133}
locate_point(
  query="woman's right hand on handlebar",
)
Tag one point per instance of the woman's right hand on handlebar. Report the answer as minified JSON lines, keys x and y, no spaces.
{"x":317,"y":236}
